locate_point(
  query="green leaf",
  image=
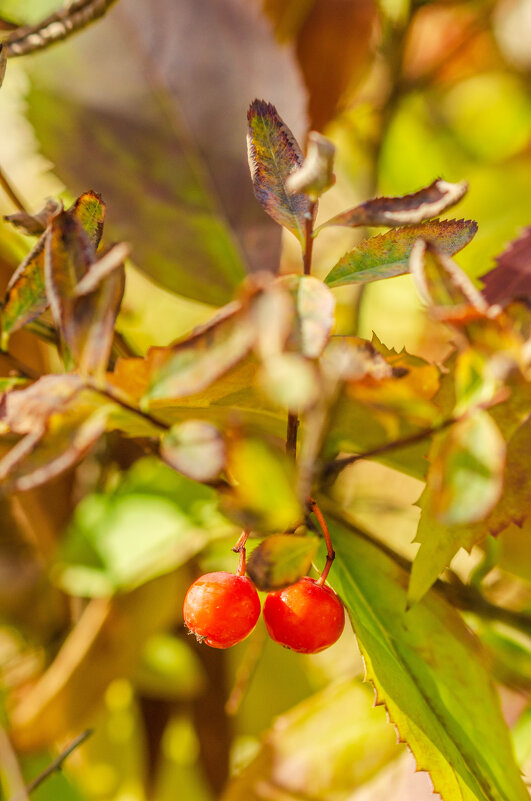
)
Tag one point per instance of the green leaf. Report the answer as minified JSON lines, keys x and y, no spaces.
{"x":274,"y":155}
{"x":431,"y":675}
{"x":89,"y":210}
{"x":281,"y":560}
{"x":440,"y":541}
{"x":195,"y":448}
{"x":407,"y":210}
{"x":326,"y":747}
{"x":387,"y":255}
{"x":263,"y":496}
{"x":152,"y":522}
{"x":465,"y":477}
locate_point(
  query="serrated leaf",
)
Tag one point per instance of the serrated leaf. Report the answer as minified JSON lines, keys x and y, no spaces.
{"x":281,"y":560}
{"x":511,"y":278}
{"x":465,"y":477}
{"x":387,"y":255}
{"x":317,"y":172}
{"x":431,"y":675}
{"x":440,"y":281}
{"x":263,"y":495}
{"x":327,"y":747}
{"x":195,"y":448}
{"x":406,"y":210}
{"x":274,"y":155}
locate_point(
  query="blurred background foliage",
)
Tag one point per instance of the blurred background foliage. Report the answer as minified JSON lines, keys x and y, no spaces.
{"x":148,"y":106}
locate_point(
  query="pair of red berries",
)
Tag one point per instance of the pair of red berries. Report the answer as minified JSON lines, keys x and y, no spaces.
{"x":223,"y":608}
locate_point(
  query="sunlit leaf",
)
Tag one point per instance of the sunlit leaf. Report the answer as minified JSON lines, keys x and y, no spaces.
{"x":89,"y":210}
{"x":512,"y":276}
{"x":439,"y":542}
{"x":328,"y":746}
{"x":273,"y":156}
{"x":387,"y":255}
{"x":430,"y":673}
{"x":290,"y":381}
{"x":195,"y":448}
{"x":281,"y":560}
{"x":317,"y":172}
{"x":314,"y":309}
{"x":153,"y":521}
{"x":407,"y":210}
{"x":465,"y":477}
{"x":263,"y":496}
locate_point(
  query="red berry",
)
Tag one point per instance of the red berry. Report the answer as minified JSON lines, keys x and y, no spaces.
{"x":221,"y":608}
{"x":306,"y":617}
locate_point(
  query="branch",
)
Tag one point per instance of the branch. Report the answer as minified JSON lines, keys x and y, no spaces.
{"x":461,"y":595}
{"x":57,"y":764}
{"x":332,"y":468}
{"x":58,"y":26}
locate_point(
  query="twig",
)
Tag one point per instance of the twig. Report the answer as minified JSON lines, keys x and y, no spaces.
{"x":334,"y":467}
{"x":6,"y":185}
{"x":246,"y":671}
{"x":57,"y":764}
{"x":58,"y":26}
{"x":462,"y":596}
{"x":24,"y":369}
{"x":240,"y":548}
{"x":308,"y":243}
{"x":291,"y":436}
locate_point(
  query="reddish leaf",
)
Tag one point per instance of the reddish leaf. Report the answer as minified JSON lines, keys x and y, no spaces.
{"x":26,"y":292}
{"x":407,"y":210}
{"x":26,"y":411}
{"x":512,"y":277}
{"x":387,"y":255}
{"x":273,"y":156}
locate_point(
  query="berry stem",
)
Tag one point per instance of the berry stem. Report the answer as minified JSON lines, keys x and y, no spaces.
{"x":240,"y":548}
{"x":330,"y":553}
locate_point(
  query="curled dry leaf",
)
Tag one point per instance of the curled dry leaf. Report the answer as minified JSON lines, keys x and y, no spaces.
{"x":26,"y":411}
{"x":34,"y":224}
{"x":314,"y":308}
{"x":387,"y":255}
{"x":274,"y":155}
{"x":281,"y":560}
{"x":440,"y":281}
{"x":407,"y":210}
{"x":26,"y":296}
{"x":195,"y":448}
{"x":317,"y":172}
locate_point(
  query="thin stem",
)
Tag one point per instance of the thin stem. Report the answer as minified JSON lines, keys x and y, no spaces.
{"x":23,"y":369}
{"x":240,"y":548}
{"x":11,"y":193}
{"x":308,"y":244}
{"x":106,"y":390}
{"x":246,"y":671}
{"x":330,"y":553}
{"x":334,"y":467}
{"x":291,"y":436}
{"x":57,"y":764}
